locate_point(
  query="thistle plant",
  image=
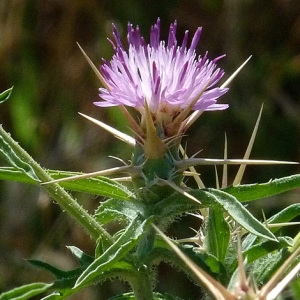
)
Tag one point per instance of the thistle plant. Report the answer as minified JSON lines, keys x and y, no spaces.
{"x":162,"y":88}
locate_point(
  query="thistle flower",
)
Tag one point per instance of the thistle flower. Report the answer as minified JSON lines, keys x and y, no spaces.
{"x":166,"y":79}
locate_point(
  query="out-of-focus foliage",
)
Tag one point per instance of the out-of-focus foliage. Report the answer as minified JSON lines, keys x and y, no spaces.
{"x":52,"y":82}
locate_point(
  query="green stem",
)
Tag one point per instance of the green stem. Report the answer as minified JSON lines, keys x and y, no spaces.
{"x":66,"y":202}
{"x":296,"y":243}
{"x":141,"y":285}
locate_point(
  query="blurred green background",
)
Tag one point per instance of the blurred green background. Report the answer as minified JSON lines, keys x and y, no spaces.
{"x":52,"y":82}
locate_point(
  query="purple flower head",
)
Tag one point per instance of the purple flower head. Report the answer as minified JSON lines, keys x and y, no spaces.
{"x":166,"y":78}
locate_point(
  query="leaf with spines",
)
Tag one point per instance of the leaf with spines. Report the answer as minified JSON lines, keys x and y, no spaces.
{"x":14,"y":160}
{"x":250,"y":192}
{"x":178,"y":204}
{"x":113,"y":209}
{"x":114,"y":254}
{"x":101,"y":186}
{"x":241,"y":215}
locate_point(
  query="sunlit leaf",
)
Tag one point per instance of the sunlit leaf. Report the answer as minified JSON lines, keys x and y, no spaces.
{"x":113,"y":209}
{"x":101,"y":186}
{"x":115,"y":252}
{"x":285,"y":215}
{"x":176,"y":204}
{"x":82,"y":257}
{"x":249,"y":192}
{"x":266,"y":247}
{"x":241,"y":215}
{"x":217,"y":233}
{"x":265,"y":267}
{"x":26,"y":291}
{"x":14,"y":160}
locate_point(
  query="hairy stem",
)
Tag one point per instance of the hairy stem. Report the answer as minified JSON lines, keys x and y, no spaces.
{"x":66,"y":202}
{"x":141,"y":285}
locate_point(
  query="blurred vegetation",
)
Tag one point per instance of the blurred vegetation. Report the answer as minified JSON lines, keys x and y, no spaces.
{"x":52,"y":82}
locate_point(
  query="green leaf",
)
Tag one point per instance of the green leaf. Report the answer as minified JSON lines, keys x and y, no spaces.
{"x":26,"y":291}
{"x":62,"y":294}
{"x":54,"y":296}
{"x":57,"y":273}
{"x":115,"y":252}
{"x":67,"y":278}
{"x":5,"y":95}
{"x":250,"y":192}
{"x":264,"y":248}
{"x":83,"y":258}
{"x":209,"y":263}
{"x":259,"y":250}
{"x":14,"y":160}
{"x":64,"y":287}
{"x":217,"y":233}
{"x":241,"y":215}
{"x":286,"y":215}
{"x":113,"y":209}
{"x":265,"y":267}
{"x":295,"y":288}
{"x":206,"y":261}
{"x":177,"y":204}
{"x":101,"y":186}
{"x":13,"y":174}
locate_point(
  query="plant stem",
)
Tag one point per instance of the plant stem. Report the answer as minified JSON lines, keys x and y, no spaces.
{"x":141,"y":285}
{"x":66,"y":202}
